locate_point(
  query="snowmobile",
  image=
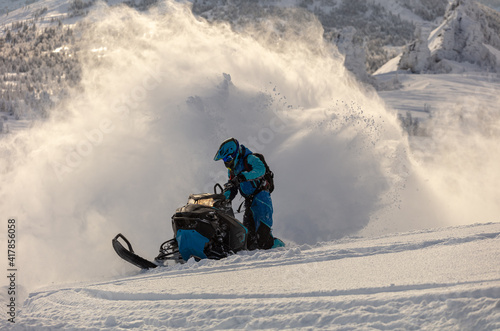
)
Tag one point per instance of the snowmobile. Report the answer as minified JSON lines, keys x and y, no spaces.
{"x":204,"y":228}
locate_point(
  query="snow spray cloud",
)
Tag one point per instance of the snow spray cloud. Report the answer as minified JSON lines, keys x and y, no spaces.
{"x":159,"y":92}
{"x":461,"y":160}
{"x":453,"y":178}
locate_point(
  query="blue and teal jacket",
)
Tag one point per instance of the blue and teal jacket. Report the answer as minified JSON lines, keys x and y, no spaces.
{"x":253,"y":170}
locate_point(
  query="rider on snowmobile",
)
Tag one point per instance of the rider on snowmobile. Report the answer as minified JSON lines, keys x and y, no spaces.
{"x":246,"y":173}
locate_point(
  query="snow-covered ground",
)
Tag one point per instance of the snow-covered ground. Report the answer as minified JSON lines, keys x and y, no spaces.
{"x":421,"y":93}
{"x":436,"y":279}
{"x":51,"y":9}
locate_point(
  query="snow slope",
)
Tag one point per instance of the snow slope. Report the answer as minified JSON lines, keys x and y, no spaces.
{"x":420,"y":92}
{"x":51,"y":9}
{"x":438,"y":279}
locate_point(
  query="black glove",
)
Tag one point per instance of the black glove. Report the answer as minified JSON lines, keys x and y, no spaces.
{"x":237,"y":179}
{"x":228,"y":186}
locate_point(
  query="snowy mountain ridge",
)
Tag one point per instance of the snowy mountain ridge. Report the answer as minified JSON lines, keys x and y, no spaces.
{"x":368,"y":35}
{"x":469,"y":34}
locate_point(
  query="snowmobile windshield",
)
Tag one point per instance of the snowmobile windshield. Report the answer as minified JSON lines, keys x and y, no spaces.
{"x":209,"y":202}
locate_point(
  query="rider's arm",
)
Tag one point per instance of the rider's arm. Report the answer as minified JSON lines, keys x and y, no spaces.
{"x":257,"y":168}
{"x":231,"y":191}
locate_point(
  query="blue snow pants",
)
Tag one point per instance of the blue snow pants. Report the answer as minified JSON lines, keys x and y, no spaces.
{"x":258,"y":219}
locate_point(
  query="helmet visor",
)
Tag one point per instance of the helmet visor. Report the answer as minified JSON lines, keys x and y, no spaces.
{"x":229,"y":161}
{"x":228,"y":158}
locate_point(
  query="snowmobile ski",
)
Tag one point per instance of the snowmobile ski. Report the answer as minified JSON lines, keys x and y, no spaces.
{"x":129,"y":255}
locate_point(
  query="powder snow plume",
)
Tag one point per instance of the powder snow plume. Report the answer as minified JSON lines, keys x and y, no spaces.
{"x":160,"y":91}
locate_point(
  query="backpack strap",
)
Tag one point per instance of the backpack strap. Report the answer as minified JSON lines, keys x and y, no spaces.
{"x":266,"y":181}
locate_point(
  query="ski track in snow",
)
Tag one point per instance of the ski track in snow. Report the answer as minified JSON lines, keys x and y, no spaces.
{"x":446,"y":279}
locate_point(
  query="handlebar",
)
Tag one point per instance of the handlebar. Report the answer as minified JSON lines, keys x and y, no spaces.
{"x":218,"y":186}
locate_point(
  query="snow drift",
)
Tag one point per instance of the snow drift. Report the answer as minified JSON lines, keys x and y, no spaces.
{"x":441,"y":279}
{"x":160,"y":91}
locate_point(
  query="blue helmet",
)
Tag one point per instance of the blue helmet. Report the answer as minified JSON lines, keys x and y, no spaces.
{"x":228,"y":151}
